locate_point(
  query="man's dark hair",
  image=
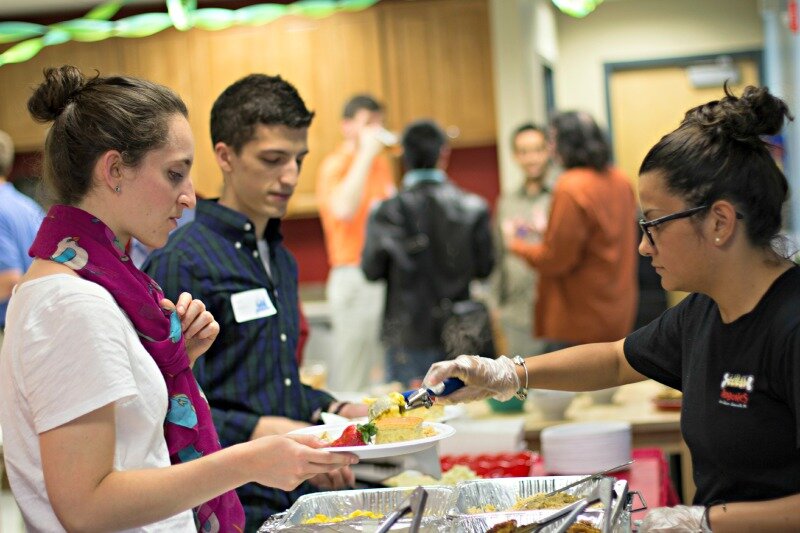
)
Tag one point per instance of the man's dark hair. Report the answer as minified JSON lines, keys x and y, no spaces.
{"x":528,"y":126}
{"x":422,"y":142}
{"x":359,"y":102}
{"x":253,"y":100}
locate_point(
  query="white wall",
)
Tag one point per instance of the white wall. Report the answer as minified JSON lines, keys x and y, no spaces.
{"x":523,"y":40}
{"x":633,"y":30}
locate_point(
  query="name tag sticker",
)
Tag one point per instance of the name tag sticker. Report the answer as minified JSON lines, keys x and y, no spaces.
{"x":252,"y":304}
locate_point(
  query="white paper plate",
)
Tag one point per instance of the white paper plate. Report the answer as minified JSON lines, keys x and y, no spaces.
{"x":375,"y":451}
{"x":585,"y":447}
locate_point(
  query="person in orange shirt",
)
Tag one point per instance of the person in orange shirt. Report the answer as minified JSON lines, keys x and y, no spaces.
{"x":587,"y":257}
{"x":351,"y":180}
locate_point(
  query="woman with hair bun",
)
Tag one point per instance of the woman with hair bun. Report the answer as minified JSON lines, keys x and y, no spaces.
{"x":97,"y":396}
{"x":712,"y":198}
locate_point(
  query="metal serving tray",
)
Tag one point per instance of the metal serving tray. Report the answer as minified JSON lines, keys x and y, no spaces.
{"x":503,"y":493}
{"x":343,"y":502}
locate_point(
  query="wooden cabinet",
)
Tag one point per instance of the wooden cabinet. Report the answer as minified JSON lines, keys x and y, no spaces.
{"x":426,"y":58}
{"x":17,"y":82}
{"x":438,"y":65}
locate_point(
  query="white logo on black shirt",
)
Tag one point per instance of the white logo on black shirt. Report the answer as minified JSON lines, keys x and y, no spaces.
{"x":736,"y":389}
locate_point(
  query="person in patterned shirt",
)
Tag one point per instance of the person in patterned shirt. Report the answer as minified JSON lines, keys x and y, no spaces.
{"x":232,"y":256}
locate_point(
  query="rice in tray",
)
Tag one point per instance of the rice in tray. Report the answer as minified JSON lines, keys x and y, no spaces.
{"x":494,"y":500}
{"x":342,"y":503}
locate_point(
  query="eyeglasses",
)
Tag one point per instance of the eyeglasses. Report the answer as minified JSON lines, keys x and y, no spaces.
{"x":646,"y":225}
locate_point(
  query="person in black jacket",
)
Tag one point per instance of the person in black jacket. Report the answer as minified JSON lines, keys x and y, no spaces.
{"x":429,"y":242}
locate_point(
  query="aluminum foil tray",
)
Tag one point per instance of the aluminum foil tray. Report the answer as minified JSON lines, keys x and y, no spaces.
{"x":344,"y":502}
{"x":503,"y":493}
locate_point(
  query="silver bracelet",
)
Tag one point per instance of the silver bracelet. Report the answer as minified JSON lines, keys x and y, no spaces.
{"x":522,"y":392}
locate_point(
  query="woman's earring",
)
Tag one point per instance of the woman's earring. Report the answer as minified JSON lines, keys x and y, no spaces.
{"x":715,"y":240}
{"x":117,"y":190}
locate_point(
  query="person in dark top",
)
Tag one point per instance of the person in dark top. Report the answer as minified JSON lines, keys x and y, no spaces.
{"x":233,"y":255}
{"x":429,"y":242}
{"x":711,"y":196}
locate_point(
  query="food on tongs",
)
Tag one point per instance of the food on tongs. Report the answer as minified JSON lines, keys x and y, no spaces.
{"x":394,"y":404}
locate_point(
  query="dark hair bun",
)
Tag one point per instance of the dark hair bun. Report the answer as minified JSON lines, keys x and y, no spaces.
{"x":762,"y":113}
{"x":743,"y":118}
{"x":58,"y":89}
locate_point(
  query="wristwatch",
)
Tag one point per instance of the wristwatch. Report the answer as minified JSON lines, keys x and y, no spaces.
{"x":522,"y":392}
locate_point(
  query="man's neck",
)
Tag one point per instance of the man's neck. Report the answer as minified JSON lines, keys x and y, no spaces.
{"x":259,"y":223}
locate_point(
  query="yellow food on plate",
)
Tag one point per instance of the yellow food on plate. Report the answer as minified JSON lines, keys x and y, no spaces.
{"x":398,"y":429}
{"x":325,"y":519}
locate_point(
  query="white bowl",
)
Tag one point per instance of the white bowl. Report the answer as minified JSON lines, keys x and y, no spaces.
{"x":603,"y":396}
{"x":552,"y":403}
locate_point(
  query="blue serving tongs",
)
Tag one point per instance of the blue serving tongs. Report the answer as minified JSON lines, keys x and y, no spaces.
{"x":423,"y":397}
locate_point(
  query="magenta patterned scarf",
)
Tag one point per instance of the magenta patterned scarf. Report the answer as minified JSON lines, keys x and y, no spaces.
{"x":82,"y":242}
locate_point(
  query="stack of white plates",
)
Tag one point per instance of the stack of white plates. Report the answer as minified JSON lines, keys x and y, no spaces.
{"x":585,"y":447}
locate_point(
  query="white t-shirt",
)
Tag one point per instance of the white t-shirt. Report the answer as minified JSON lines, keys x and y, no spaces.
{"x":69,"y":350}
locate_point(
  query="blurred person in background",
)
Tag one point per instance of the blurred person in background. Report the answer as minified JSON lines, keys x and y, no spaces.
{"x":20,"y":217}
{"x":232,"y":256}
{"x":513,"y":281}
{"x":586,"y":259}
{"x":712,"y":199}
{"x":351,"y":180}
{"x":428,"y":242}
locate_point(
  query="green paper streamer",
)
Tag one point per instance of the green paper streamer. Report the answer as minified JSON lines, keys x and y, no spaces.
{"x":213,"y":19}
{"x":11,"y":32}
{"x":143,"y":25}
{"x":56,"y":36}
{"x":258,"y":14}
{"x":312,"y":8}
{"x":22,"y":51}
{"x":105,"y":11}
{"x":182,"y":14}
{"x":86,"y":30}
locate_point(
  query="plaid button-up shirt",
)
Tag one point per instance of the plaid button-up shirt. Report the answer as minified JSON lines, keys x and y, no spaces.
{"x":250,"y":371}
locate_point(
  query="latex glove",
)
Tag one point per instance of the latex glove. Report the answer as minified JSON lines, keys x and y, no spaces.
{"x":679,"y":518}
{"x":482,"y":376}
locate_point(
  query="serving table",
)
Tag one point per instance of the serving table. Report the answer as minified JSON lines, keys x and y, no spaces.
{"x":650,"y":427}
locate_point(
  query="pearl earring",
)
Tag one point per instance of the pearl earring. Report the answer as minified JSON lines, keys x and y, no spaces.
{"x":715,"y":240}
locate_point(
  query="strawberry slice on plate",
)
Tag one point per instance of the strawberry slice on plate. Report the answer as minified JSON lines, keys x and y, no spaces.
{"x":356,"y":435}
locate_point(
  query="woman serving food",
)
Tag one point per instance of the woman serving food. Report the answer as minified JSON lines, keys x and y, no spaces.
{"x":712,"y":198}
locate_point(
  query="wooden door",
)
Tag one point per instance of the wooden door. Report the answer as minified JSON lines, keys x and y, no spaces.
{"x":648,"y":103}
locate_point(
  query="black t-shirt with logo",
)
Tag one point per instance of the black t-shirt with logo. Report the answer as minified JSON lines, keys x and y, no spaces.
{"x":740,"y":414}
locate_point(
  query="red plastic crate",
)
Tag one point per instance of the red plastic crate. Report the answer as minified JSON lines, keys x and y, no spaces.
{"x":509,"y":464}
